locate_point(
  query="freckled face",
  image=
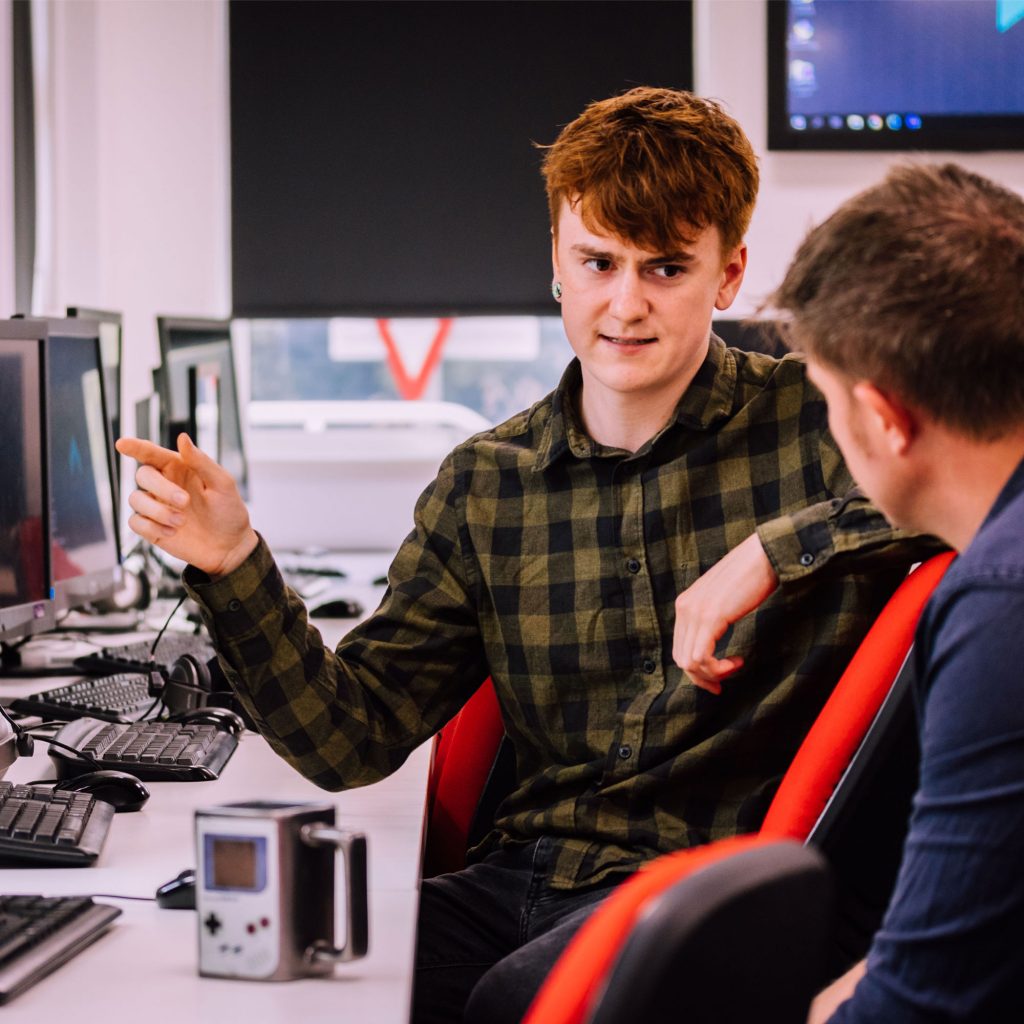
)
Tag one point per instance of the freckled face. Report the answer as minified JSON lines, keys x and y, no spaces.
{"x":639,"y":320}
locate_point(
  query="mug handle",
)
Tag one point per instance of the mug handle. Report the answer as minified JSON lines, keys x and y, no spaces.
{"x":357,"y":926}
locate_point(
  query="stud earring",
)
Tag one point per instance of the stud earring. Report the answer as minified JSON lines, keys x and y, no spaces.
{"x":556,"y":290}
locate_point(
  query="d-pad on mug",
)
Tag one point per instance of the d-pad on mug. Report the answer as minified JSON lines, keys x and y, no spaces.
{"x":265,"y":891}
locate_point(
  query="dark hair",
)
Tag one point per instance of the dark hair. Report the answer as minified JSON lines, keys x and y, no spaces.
{"x":650,"y":163}
{"x":917,"y":284}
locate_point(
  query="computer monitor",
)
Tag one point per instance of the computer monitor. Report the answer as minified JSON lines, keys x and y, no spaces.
{"x":861,"y":75}
{"x":749,"y":335}
{"x":111,"y":351}
{"x":25,"y":605}
{"x":147,"y":420}
{"x":85,"y":548}
{"x":198,"y":391}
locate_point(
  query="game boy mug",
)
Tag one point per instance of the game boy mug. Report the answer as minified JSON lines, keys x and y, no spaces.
{"x":265,"y":891}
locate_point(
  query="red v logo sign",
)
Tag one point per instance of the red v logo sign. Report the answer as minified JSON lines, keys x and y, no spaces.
{"x":411,"y":388}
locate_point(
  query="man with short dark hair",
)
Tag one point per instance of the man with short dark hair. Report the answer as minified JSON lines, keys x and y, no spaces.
{"x":909,"y":303}
{"x":583,"y":554}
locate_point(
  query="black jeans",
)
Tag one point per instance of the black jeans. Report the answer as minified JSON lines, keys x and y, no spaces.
{"x":489,"y":935}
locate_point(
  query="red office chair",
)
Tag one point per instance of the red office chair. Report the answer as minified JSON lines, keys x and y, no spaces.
{"x":855,"y":724}
{"x":464,"y":757}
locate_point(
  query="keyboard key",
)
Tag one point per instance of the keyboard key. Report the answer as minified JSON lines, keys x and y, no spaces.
{"x":25,"y":825}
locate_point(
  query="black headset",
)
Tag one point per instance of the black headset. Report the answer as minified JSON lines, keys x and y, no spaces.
{"x":193,"y":683}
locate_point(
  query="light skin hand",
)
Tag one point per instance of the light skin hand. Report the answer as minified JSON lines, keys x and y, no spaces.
{"x":724,"y":594}
{"x":189,"y":506}
{"x":828,"y":1000}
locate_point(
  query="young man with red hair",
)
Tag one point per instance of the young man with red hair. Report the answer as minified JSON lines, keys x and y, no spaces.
{"x":584,"y":555}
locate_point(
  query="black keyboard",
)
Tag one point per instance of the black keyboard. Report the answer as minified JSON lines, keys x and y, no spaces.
{"x":162,"y":751}
{"x":135,"y":657}
{"x":42,"y":827}
{"x":124,"y":697}
{"x":39,"y":933}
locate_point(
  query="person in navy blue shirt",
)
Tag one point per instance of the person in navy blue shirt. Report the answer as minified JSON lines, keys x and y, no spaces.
{"x":909,"y":303}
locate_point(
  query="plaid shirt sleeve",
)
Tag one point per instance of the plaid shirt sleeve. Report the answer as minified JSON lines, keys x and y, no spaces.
{"x":351,"y":716}
{"x":805,"y":542}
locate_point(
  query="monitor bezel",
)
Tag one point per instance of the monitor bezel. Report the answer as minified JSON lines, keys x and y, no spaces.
{"x":100,"y":584}
{"x":107,"y":316}
{"x":166,"y":326}
{"x":978,"y":133}
{"x":18,"y":621}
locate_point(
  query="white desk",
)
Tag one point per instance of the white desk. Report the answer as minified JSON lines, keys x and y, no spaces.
{"x":145,"y":968}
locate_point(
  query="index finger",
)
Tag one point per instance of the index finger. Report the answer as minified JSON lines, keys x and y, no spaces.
{"x":145,"y":452}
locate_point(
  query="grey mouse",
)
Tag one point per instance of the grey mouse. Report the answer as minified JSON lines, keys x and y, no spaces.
{"x":124,"y":791}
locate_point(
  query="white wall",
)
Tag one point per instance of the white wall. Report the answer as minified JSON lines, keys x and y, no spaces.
{"x":139,"y":102}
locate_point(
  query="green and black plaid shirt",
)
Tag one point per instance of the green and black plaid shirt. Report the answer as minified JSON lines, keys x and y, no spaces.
{"x":552,"y":564}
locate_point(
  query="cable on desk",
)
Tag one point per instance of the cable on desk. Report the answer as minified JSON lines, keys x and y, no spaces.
{"x":115,"y":896}
{"x":163,"y":628}
{"x":63,"y":746}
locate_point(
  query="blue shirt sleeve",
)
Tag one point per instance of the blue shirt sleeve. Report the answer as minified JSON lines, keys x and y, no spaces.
{"x":950,"y":946}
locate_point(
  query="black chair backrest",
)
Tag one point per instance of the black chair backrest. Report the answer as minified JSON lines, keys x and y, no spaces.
{"x":750,"y":335}
{"x":739,"y":941}
{"x":501,"y":780}
{"x":862,"y":830}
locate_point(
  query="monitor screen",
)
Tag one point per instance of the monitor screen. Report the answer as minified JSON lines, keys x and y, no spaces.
{"x":83,"y":525}
{"x":25,"y":605}
{"x":895,"y":74}
{"x":198,"y":391}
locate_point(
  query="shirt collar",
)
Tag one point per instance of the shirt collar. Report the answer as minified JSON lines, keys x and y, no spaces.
{"x":1011,"y":489}
{"x":708,"y":399}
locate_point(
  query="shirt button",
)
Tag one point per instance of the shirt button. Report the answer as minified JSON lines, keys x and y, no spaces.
{"x":625,"y":751}
{"x":234,"y":604}
{"x":633,"y":565}
{"x":806,"y":558}
{"x":648,"y":665}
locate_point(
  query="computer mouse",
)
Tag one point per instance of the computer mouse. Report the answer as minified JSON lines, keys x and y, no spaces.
{"x":124,"y":791}
{"x":225,"y":719}
{"x":179,"y":893}
{"x":337,"y":608}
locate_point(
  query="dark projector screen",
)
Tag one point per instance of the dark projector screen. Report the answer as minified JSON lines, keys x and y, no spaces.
{"x":382,"y":157}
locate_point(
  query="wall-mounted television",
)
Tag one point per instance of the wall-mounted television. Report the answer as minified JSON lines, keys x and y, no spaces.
{"x":895,"y":74}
